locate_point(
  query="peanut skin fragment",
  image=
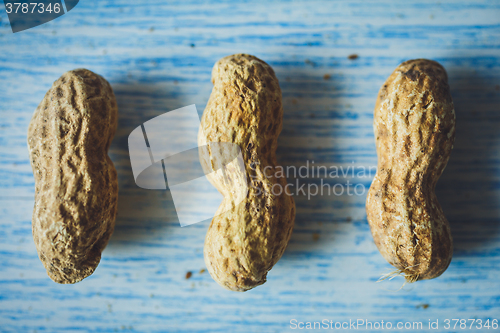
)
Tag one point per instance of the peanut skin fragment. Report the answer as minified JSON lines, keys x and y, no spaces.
{"x":414,"y":125}
{"x":76,"y":187}
{"x":243,"y":243}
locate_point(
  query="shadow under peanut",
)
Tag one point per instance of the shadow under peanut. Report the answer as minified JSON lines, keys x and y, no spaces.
{"x":469,"y":188}
{"x":307,"y":135}
{"x":142,"y":213}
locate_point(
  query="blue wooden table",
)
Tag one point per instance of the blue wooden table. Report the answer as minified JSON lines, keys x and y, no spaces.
{"x":158,"y":56}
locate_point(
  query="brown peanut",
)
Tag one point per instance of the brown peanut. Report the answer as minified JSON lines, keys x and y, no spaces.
{"x":76,"y":187}
{"x":414,"y":125}
{"x":245,"y":241}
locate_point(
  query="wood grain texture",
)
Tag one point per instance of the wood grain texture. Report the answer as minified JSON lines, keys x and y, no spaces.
{"x":158,"y":57}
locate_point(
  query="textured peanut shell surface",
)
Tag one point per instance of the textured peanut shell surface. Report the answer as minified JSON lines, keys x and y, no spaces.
{"x":414,"y":125}
{"x":245,"y":241}
{"x":76,"y":187}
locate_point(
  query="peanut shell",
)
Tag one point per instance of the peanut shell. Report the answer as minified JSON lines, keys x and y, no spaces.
{"x":76,"y":187}
{"x":245,"y":241}
{"x":414,"y":125}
